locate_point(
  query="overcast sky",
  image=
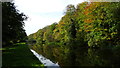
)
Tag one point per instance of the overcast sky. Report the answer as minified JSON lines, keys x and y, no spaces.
{"x":42,"y":12}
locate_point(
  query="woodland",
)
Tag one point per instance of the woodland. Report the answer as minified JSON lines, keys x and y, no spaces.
{"x":87,"y":35}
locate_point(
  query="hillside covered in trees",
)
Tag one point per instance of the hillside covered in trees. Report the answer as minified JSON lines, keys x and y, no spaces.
{"x":87,"y":35}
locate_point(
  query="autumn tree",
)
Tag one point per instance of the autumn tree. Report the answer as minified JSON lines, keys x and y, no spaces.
{"x":88,"y":35}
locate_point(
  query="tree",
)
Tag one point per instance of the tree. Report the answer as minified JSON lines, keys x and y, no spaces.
{"x":88,"y":35}
{"x":70,"y":9}
{"x":12,"y":24}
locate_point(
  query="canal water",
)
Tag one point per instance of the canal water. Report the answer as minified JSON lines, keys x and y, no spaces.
{"x":45,"y":61}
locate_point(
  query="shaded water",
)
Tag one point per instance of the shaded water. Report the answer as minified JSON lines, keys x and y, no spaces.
{"x":80,"y":56}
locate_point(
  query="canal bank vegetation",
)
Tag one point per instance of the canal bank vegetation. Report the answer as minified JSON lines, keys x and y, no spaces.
{"x":19,"y":55}
{"x":15,"y":51}
{"x":87,"y":35}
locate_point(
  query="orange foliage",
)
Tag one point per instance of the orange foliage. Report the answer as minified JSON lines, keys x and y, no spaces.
{"x":88,"y":20}
{"x":86,"y":10}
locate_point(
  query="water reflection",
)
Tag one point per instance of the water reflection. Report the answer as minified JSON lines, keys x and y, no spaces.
{"x":81,"y":56}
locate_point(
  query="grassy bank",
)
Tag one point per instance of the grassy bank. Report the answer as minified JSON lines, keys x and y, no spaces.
{"x":19,"y":55}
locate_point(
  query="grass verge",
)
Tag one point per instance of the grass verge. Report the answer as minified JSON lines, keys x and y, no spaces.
{"x":19,"y":55}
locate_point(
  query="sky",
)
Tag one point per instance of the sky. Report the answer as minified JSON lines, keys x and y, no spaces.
{"x":42,"y":12}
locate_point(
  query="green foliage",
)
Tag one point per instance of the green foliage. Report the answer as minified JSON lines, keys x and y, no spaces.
{"x":88,"y":35}
{"x":12,"y":24}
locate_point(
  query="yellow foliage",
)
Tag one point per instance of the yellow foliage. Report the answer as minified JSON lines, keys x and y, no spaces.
{"x":113,"y":33}
{"x":88,"y":21}
{"x":61,"y":23}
